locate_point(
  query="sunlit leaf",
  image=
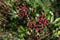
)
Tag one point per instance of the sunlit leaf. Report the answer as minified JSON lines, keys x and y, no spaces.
{"x":57,"y":20}
{"x":52,"y":19}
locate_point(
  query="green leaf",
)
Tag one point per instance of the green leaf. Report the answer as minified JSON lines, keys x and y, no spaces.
{"x":58,"y":24}
{"x":52,"y":19}
{"x":31,"y":1}
{"x":22,"y":35}
{"x":48,"y":17}
{"x":34,"y":3}
{"x":21,"y":29}
{"x":51,"y":13}
{"x":57,"y":20}
{"x":40,"y":3}
{"x":55,"y":35}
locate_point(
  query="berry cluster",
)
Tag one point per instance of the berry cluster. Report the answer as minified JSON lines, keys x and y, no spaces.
{"x":43,"y":20}
{"x":23,"y":9}
{"x":39,"y":24}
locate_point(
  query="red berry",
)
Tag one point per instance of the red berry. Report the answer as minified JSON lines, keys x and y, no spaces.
{"x":39,"y":19}
{"x":29,"y":24}
{"x":24,"y":8}
{"x":37,"y":29}
{"x":44,"y":23}
{"x":34,"y":23}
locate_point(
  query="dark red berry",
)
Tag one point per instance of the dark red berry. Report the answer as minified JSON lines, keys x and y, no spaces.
{"x":23,"y":14}
{"x":18,"y":8}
